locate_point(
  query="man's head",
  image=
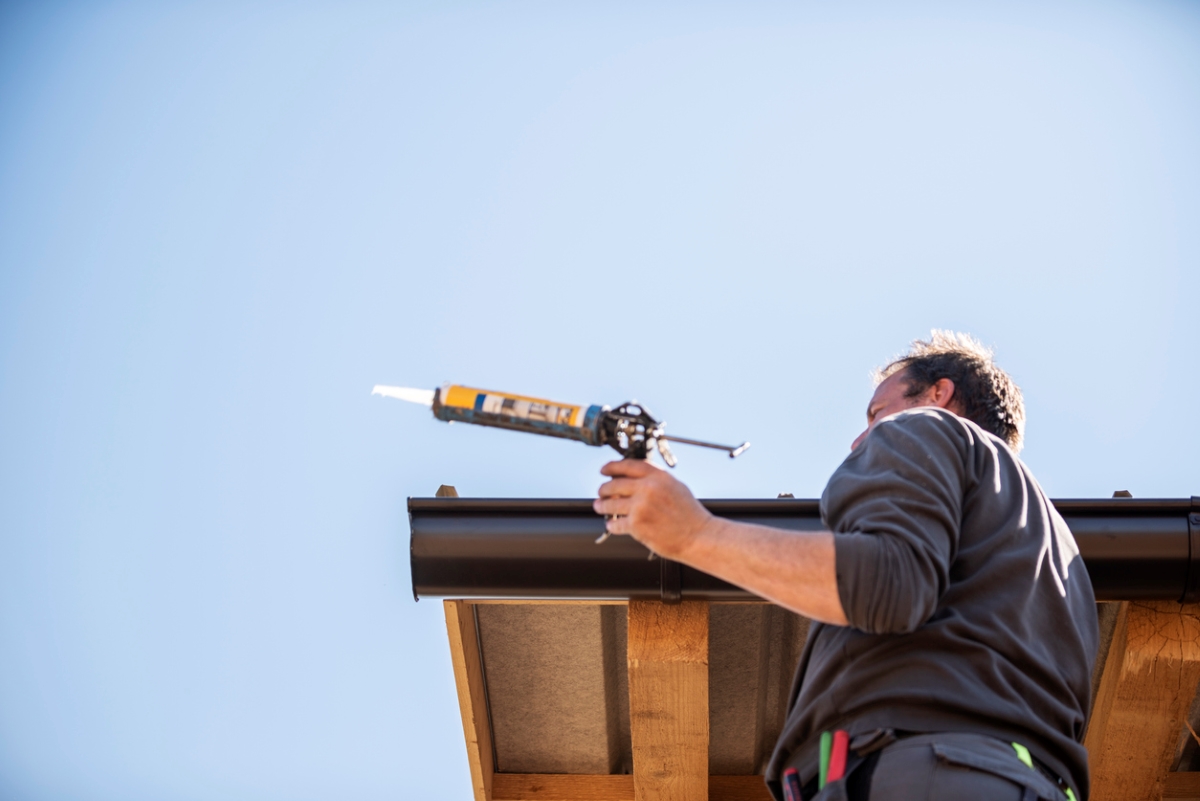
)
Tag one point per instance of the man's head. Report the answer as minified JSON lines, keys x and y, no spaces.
{"x":953,"y":372}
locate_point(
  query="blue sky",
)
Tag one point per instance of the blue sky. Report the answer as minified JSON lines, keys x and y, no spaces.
{"x":222,"y":223}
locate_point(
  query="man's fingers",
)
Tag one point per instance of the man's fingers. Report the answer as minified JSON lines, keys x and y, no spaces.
{"x":633,"y":468}
{"x":612,"y":506}
{"x":618,"y":488}
{"x":618,"y":525}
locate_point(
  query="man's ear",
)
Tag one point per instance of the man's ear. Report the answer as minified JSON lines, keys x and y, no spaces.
{"x":942,"y":393}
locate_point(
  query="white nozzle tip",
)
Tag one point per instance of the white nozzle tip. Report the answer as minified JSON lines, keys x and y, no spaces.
{"x":421,"y":396}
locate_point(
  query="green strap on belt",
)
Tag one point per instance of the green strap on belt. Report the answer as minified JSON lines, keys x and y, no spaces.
{"x":823,"y":765}
{"x":1026,"y":757}
{"x":1023,"y":755}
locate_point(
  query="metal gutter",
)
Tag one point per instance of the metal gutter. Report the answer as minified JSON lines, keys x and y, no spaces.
{"x":1134,"y":549}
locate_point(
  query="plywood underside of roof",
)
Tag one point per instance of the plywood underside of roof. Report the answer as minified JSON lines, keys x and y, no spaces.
{"x":558,"y":687}
{"x":545,"y":691}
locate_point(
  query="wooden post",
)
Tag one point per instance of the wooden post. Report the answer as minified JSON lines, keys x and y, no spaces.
{"x":668,"y":700}
{"x":1147,"y":687}
{"x":468,"y":679}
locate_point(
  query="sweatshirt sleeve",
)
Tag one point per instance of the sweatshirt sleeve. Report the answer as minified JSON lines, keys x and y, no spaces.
{"x":895,"y":507}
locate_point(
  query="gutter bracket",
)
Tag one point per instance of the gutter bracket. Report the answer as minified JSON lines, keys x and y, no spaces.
{"x":670,"y":581}
{"x":1191,"y":591}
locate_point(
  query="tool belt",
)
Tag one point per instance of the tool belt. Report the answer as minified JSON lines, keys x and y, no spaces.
{"x":1038,"y":779}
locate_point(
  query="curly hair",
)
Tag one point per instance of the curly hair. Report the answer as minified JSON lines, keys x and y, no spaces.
{"x":985,"y":394}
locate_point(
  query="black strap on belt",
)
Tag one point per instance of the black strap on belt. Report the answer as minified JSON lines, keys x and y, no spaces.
{"x":859,"y":770}
{"x":1044,"y":769}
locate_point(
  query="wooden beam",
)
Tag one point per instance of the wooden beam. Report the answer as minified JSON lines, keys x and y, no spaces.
{"x":562,"y":787}
{"x":1147,"y":687}
{"x":738,"y":788}
{"x":668,"y":700}
{"x":468,"y":679}
{"x":1182,"y":787}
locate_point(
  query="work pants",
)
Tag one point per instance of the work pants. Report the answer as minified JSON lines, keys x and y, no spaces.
{"x":948,"y":767}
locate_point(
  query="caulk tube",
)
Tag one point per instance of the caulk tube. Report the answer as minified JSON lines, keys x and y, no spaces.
{"x":454,"y":403}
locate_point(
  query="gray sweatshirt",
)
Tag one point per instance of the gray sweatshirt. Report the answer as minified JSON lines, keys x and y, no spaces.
{"x":969,"y":605}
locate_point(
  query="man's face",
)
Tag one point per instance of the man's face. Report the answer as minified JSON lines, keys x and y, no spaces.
{"x":888,"y":399}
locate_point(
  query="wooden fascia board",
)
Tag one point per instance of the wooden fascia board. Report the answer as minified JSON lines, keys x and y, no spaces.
{"x":472,"y":697}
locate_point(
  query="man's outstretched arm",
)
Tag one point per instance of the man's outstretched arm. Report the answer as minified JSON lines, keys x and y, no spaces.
{"x":795,"y":569}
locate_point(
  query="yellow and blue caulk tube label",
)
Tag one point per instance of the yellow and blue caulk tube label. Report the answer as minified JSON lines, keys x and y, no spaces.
{"x":518,"y":412}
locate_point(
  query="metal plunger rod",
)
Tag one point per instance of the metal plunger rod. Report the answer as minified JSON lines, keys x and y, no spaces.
{"x":733,"y":450}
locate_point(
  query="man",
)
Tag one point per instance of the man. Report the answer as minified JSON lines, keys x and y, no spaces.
{"x":954,"y":623}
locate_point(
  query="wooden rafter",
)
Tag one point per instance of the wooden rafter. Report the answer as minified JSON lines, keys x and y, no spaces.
{"x":1149,"y":681}
{"x":668,"y":700}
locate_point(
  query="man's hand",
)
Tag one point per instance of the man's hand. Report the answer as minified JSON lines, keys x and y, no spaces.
{"x":795,"y":569}
{"x":650,"y":504}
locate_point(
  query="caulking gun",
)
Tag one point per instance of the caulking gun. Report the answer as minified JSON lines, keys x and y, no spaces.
{"x":629,"y":429}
